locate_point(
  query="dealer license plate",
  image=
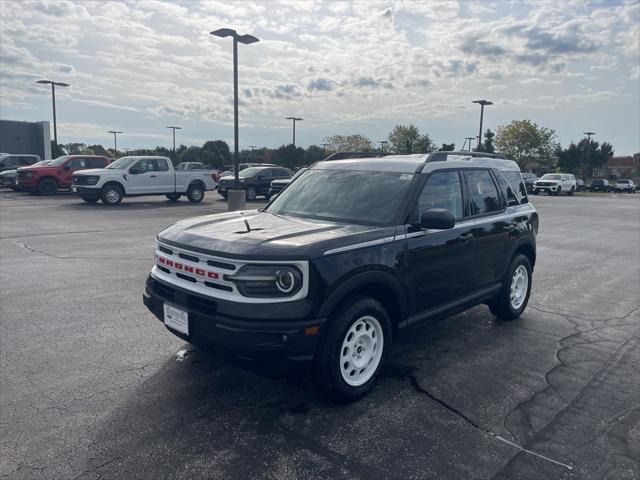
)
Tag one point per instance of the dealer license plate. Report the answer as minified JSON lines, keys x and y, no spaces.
{"x":176,"y":319}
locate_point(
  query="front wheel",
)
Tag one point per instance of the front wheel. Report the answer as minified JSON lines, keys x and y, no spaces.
{"x":89,"y":199}
{"x":173,"y":197}
{"x":353,"y":349}
{"x":558,"y":191}
{"x":251,"y":193}
{"x":195,"y":194}
{"x":536,"y":192}
{"x":111,"y":195}
{"x":48,"y":186}
{"x":516,"y":288}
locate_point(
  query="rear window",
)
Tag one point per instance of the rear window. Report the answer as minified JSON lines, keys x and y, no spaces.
{"x":512,"y":187}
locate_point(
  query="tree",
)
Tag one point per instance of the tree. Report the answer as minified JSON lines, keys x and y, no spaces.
{"x":289,"y":156}
{"x":349,"y":143}
{"x":313,"y":154}
{"x":448,"y":147}
{"x":56,"y":150}
{"x":574,"y":158}
{"x":216,"y":153}
{"x":525,"y":141}
{"x":407,"y":139}
{"x":191,"y":154}
{"x":74,"y":148}
{"x":487,"y":145}
{"x":98,"y":149}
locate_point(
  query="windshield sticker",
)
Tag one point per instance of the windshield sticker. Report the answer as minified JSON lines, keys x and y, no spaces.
{"x":406,"y":176}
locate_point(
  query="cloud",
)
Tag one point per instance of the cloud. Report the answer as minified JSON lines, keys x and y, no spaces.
{"x":321,"y":84}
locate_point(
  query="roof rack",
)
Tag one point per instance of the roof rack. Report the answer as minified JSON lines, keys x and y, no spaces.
{"x":344,"y":155}
{"x":442,"y":156}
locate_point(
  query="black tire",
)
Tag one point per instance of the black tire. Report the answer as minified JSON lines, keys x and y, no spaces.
{"x":17,"y":189}
{"x":558,"y":191}
{"x":173,"y":197}
{"x":501,"y":306}
{"x":89,"y":199}
{"x":251,"y":193}
{"x":47,"y":186}
{"x":111,"y":194}
{"x":330,"y":360}
{"x":195,"y":194}
{"x":572,"y":191}
{"x":536,"y":192}
{"x":225,"y":196}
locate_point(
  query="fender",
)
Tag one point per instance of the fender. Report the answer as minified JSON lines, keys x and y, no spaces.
{"x":363,"y":278}
{"x":124,"y":189}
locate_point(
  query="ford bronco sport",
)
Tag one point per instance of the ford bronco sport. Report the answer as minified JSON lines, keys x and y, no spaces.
{"x":350,"y":254}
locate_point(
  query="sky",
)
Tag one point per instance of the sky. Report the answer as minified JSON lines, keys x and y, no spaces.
{"x":344,"y":67}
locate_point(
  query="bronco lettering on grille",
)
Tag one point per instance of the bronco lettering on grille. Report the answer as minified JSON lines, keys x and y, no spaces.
{"x":187,"y":268}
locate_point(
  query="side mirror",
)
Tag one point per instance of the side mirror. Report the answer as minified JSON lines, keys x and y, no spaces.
{"x":135,"y":171}
{"x":437,"y":218}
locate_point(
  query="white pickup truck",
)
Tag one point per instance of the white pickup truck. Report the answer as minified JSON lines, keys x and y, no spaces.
{"x":143,"y":175}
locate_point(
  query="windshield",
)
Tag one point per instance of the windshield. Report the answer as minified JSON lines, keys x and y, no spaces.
{"x":250,"y":172}
{"x":368,"y":198}
{"x":550,"y":176}
{"x":58,"y":161}
{"x":122,"y":163}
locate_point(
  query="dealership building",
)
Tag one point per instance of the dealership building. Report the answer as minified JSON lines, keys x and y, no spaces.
{"x":25,"y":137}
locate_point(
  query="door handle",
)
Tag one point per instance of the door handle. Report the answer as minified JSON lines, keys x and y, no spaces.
{"x":152,"y":176}
{"x":464,"y":237}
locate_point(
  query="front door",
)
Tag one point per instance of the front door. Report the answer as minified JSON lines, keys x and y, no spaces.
{"x":150,"y":175}
{"x":441,"y":263}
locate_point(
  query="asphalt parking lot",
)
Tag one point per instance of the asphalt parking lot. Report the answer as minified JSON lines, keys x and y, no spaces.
{"x":93,"y":386}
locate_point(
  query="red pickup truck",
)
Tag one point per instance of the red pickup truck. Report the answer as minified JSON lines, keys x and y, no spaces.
{"x":57,"y":174}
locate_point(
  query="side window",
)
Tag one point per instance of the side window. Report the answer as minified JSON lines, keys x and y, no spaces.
{"x":182,"y":166}
{"x":266,"y":173}
{"x":161,"y":165}
{"x":25,"y":161}
{"x":144,"y":165}
{"x":442,"y":190}
{"x":95,"y":162}
{"x":483,"y":194}
{"x":12,"y":162}
{"x":77,"y":163}
{"x":512,"y":187}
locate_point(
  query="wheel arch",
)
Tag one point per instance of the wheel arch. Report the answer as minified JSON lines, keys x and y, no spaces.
{"x":529,"y":251}
{"x":380,"y":285}
{"x":116,"y":183}
{"x":49,"y":177}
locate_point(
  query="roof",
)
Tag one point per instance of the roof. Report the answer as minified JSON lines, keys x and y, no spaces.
{"x":420,"y":162}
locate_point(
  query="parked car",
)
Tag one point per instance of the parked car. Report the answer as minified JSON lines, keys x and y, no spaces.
{"x":529,"y":180}
{"x":580,"y":186}
{"x":624,"y":185}
{"x":254,"y":181}
{"x":555,"y":184}
{"x":12,"y":161}
{"x":9,"y":178}
{"x":600,"y":185}
{"x":191,"y":166}
{"x":141,"y":175}
{"x":347,"y":257}
{"x":278,"y":185}
{"x":55,"y":175}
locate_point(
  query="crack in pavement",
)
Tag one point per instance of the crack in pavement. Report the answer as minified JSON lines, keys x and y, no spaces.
{"x":9,"y":237}
{"x":74,"y":257}
{"x":420,"y":389}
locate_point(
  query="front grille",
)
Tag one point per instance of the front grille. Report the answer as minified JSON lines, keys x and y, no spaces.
{"x":545,"y":184}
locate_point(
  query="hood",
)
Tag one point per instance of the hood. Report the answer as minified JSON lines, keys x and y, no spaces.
{"x":282,"y":181}
{"x":95,"y":171}
{"x":271,"y":236}
{"x":39,"y":167}
{"x":8,"y":173}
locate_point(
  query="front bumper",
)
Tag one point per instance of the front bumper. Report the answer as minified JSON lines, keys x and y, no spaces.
{"x":545,"y":188}
{"x":86,"y":191}
{"x":8,"y":182}
{"x":272,"y":347}
{"x":28,"y":183}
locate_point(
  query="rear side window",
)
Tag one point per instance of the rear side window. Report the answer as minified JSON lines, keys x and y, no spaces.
{"x":483,"y":194}
{"x":442,"y":190}
{"x":512,"y":187}
{"x":77,"y":163}
{"x":161,"y":165}
{"x":96,"y":162}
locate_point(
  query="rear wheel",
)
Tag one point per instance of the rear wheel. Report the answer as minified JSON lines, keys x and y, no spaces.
{"x":516,"y":288}
{"x":173,"y":197}
{"x":111,"y":195}
{"x":195,"y":194}
{"x":536,"y":192}
{"x":47,"y":186}
{"x":572,"y":191}
{"x":353,"y":349}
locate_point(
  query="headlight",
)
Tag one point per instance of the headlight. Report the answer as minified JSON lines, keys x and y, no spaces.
{"x":267,"y":281}
{"x":92,"y":179}
{"x":29,"y":175}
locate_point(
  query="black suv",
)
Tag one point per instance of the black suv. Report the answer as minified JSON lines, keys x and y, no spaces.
{"x":599,"y":185}
{"x":350,"y":254}
{"x":254,"y":181}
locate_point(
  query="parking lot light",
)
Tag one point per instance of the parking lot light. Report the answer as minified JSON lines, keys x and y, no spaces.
{"x":482,"y":105}
{"x":174,"y":141}
{"x":294,"y":120}
{"x":584,"y":174}
{"x":53,"y":99}
{"x":246,"y":39}
{"x":115,"y":142}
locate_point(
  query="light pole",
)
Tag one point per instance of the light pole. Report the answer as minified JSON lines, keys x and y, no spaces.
{"x":237,"y":201}
{"x":584,"y":174}
{"x":53,"y":99}
{"x":482,"y":105}
{"x":115,"y":142}
{"x":174,"y":141}
{"x":294,"y":120}
{"x":382,"y":144}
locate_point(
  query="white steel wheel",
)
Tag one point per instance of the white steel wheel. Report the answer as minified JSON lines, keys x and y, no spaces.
{"x":519,"y":287}
{"x":361,"y":351}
